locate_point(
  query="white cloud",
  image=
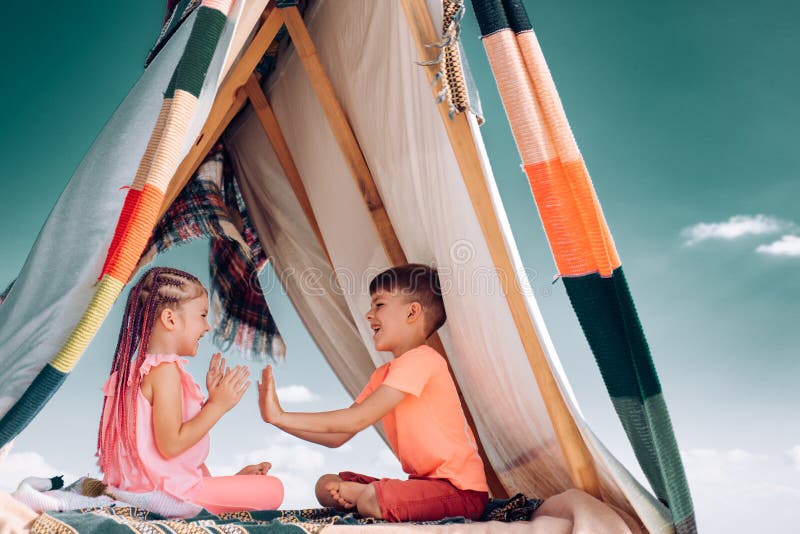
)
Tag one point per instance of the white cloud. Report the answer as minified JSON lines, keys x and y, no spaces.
{"x":718,"y":478}
{"x":735,"y":227}
{"x":793,"y":455}
{"x":296,"y":393}
{"x":788,"y":245}
{"x":20,"y":465}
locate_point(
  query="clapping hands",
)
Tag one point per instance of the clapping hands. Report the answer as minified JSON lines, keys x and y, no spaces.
{"x":216,"y":370}
{"x":226,"y":386}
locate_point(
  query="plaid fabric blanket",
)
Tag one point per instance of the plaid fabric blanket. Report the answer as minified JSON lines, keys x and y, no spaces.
{"x":211,"y":206}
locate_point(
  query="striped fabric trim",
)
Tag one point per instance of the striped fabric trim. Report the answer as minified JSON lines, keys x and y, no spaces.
{"x":152,"y":146}
{"x":140,"y":209}
{"x":38,"y":393}
{"x":583,"y":248}
{"x":107,"y":292}
{"x":192,"y":68}
{"x":134,"y":232}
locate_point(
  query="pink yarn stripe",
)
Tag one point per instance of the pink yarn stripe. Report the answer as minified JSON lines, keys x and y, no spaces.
{"x":517,"y":94}
{"x":220,"y":5}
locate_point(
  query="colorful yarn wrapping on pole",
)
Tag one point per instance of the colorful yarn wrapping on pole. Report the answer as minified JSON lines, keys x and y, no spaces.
{"x":583,"y":249}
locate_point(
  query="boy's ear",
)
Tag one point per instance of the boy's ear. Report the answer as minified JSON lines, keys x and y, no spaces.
{"x":414,"y":311}
{"x":167,"y":318}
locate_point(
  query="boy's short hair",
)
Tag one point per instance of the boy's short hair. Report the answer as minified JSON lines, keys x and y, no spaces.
{"x":419,"y":283}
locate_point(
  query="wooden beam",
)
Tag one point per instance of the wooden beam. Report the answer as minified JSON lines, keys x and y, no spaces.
{"x":273,"y":130}
{"x":349,"y":146}
{"x":342,"y":131}
{"x":228,"y":102}
{"x":578,"y":459}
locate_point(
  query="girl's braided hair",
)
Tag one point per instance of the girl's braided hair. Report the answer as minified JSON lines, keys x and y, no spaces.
{"x":158,"y":289}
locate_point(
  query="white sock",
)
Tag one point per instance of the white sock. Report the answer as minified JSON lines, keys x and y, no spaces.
{"x":157,"y":502}
{"x":56,"y":500}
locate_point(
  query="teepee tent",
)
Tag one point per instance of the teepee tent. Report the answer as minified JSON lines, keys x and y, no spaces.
{"x":353,"y":155}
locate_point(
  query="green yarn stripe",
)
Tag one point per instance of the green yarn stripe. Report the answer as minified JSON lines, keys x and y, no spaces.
{"x":191,"y":70}
{"x":28,"y":405}
{"x":611,"y":325}
{"x":496,"y":15}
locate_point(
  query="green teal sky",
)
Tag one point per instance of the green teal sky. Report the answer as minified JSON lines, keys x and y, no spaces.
{"x":685,"y":112}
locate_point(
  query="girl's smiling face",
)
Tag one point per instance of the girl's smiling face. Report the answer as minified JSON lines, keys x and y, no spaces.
{"x":191,"y":325}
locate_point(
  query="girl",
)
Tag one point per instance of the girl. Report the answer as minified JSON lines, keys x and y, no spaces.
{"x":153,"y":438}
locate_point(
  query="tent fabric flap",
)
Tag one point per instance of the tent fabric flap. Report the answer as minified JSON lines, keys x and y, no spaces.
{"x":45,"y":327}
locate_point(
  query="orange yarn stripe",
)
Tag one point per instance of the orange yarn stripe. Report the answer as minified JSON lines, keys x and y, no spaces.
{"x":131,"y":200}
{"x":572,"y":219}
{"x":135,"y":231}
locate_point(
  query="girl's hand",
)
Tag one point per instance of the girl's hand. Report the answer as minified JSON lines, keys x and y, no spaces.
{"x":256,"y":469}
{"x":215,"y":371}
{"x":230,"y":388}
{"x":268,"y":397}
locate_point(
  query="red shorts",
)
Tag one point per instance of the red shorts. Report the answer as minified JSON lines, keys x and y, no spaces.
{"x":421,"y":498}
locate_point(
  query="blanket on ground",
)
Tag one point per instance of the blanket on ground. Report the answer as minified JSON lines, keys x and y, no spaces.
{"x":571,"y":512}
{"x":111,"y":519}
{"x":125,"y":520}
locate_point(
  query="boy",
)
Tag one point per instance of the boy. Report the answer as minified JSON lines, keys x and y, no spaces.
{"x":415,"y":398}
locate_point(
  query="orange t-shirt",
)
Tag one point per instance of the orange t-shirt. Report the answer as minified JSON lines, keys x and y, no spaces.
{"x":427,"y":430}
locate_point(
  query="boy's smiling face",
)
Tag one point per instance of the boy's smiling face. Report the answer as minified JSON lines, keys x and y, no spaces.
{"x":388,"y":318}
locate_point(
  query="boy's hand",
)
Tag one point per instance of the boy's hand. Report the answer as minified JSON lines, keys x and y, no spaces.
{"x":268,"y":397}
{"x":229,"y":389}
{"x":215,"y":371}
{"x":255,"y":469}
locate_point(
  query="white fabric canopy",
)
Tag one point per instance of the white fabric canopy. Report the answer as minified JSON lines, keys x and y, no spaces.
{"x":369,"y":55}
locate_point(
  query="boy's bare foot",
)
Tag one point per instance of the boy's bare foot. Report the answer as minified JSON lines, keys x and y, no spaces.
{"x":346,"y":494}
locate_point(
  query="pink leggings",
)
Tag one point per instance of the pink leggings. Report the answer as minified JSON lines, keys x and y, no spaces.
{"x":238,"y":493}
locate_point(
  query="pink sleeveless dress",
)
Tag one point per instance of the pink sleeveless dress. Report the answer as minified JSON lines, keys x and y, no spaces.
{"x":183,"y":476}
{"x":178,"y":476}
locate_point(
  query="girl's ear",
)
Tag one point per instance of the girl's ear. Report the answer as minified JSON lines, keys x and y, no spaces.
{"x":167,"y":318}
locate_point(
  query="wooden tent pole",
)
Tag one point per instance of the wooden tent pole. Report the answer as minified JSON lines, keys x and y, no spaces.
{"x":229,"y":100}
{"x":354,"y":157}
{"x":342,"y":131}
{"x":579,"y":461}
{"x":273,"y":130}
